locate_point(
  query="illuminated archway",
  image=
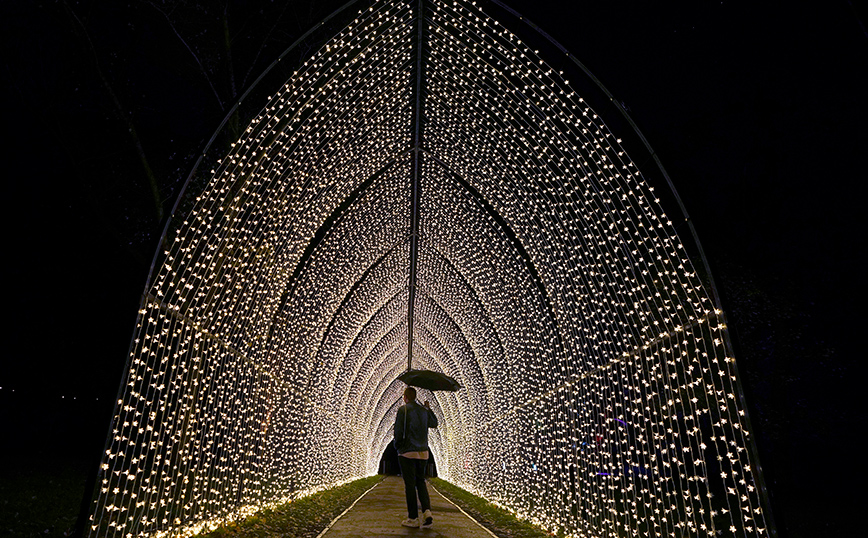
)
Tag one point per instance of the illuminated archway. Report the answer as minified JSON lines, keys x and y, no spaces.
{"x":437,"y":185}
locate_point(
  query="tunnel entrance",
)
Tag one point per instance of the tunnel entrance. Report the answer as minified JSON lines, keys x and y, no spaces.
{"x":518,"y":250}
{"x":389,"y":463}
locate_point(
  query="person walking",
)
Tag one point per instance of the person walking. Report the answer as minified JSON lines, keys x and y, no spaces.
{"x":411,"y":441}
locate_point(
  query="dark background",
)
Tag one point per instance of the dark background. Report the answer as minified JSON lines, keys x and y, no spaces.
{"x":756,"y":109}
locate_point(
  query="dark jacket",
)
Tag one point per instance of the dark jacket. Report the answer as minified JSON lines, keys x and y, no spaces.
{"x":411,"y":427}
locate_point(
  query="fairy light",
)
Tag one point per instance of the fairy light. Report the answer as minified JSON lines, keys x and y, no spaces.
{"x":599,"y":395}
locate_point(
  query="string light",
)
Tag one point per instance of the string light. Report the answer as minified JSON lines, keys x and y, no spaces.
{"x":599,"y":394}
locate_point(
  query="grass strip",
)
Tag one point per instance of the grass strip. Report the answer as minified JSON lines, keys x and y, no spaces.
{"x":499,"y":521}
{"x":40,"y":498}
{"x":302,"y":518}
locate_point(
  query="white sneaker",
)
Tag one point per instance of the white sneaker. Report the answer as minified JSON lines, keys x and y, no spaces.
{"x":427,"y":519}
{"x":414,"y":523}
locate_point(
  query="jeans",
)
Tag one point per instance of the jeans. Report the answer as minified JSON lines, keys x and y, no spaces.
{"x":413,"y":472}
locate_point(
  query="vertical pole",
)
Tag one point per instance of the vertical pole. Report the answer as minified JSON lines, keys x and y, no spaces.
{"x":415,"y":190}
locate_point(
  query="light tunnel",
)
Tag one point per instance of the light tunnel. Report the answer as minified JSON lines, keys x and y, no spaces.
{"x":433,"y":189}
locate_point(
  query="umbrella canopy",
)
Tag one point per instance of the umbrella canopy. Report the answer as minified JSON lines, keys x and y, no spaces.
{"x":428,"y":379}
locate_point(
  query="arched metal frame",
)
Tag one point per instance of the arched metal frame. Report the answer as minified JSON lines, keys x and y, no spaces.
{"x":592,"y":417}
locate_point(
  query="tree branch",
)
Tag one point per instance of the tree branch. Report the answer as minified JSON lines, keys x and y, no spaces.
{"x":192,"y":53}
{"x":262,"y":45}
{"x":122,"y":115}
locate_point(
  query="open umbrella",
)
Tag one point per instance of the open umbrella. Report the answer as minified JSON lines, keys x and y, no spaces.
{"x":429,"y":379}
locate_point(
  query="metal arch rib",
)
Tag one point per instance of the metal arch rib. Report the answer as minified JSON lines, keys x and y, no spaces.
{"x":450,"y":357}
{"x":715,"y":293}
{"x":476,"y":298}
{"x":321,"y":233}
{"x":512,"y":236}
{"x":386,"y":304}
{"x":352,"y":291}
{"x":355,"y":339}
{"x":485,"y":396}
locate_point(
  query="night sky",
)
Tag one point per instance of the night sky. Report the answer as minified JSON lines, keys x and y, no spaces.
{"x":758,"y":113}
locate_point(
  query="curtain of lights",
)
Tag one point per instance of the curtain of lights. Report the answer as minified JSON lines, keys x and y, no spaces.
{"x":599,"y":397}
